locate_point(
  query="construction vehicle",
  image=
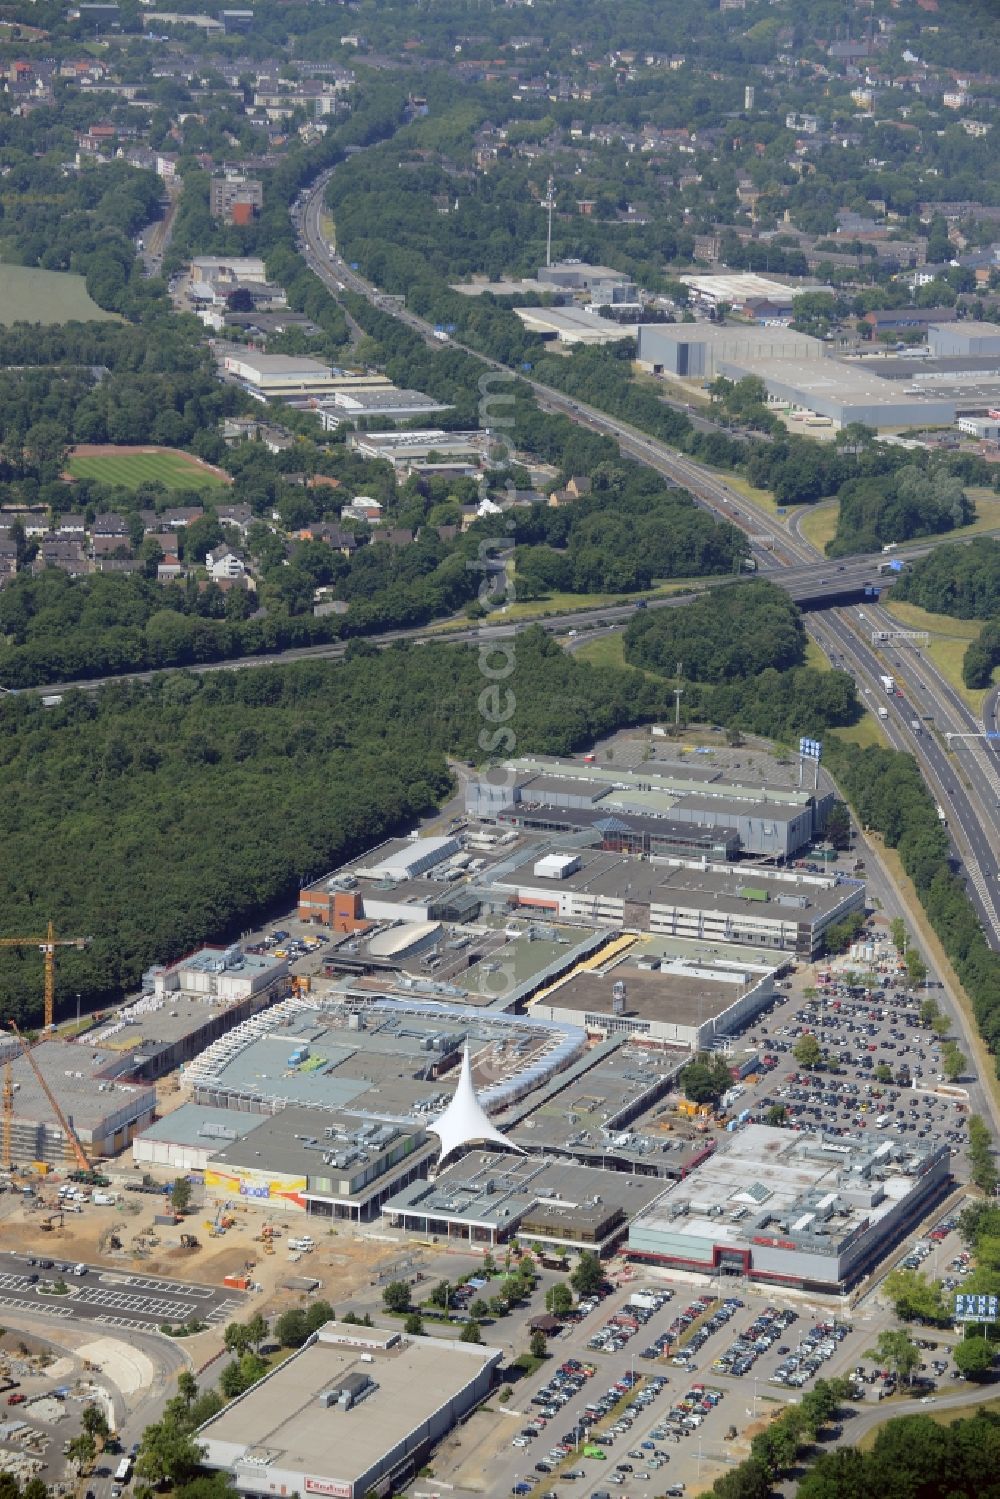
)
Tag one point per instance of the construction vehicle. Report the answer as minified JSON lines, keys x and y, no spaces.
{"x":190,"y":1241}
{"x":47,"y":946}
{"x":79,"y":1154}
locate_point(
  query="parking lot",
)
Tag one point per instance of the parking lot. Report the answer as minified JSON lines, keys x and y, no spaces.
{"x":882,"y":1066}
{"x":95,"y":1293}
{"x":720,"y":1357}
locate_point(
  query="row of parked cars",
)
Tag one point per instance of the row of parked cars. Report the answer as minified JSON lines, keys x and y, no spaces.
{"x":616,"y":1332}
{"x":812,"y":1352}
{"x":687,"y":1414}
{"x":697,"y":1340}
{"x":566,"y":1382}
{"x":740,"y":1357}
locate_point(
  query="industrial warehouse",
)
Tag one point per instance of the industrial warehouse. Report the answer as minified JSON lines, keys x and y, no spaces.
{"x":354,"y":1412}
{"x":806,"y":382}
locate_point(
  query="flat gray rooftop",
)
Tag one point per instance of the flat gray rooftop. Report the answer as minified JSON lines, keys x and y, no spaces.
{"x":202,"y":1125}
{"x":681,"y":999}
{"x":387,"y":1069}
{"x":74,"y":1074}
{"x":582,"y":1116}
{"x":617,"y":876}
{"x":298,"y":1141}
{"x":676,"y":777}
{"x":490,"y":1187}
{"x":280,"y":1423}
{"x":780,"y":1175}
{"x":832,"y":380}
{"x":776,"y":812}
{"x":153,"y":1023}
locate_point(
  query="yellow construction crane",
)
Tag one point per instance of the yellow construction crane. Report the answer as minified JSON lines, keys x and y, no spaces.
{"x":47,"y":946}
{"x":8,"y":1111}
{"x":79,"y":1153}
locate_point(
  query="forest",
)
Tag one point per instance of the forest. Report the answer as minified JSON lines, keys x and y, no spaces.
{"x":960,"y":580}
{"x":982,"y":656}
{"x":741,"y":651}
{"x":914,"y":501}
{"x":911,"y":1457}
{"x":628,"y":533}
{"x":158,"y":817}
{"x":914,"y":1457}
{"x":725,"y":637}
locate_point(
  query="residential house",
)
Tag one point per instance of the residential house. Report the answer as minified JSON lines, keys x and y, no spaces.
{"x":342,"y":541}
{"x":110,"y":524}
{"x":573,"y":490}
{"x":170,"y":568}
{"x":277,"y":439}
{"x":71,"y":527}
{"x":224,"y":565}
{"x":364,"y":508}
{"x":109,"y":546}
{"x":68,"y":556}
{"x":8,"y":560}
{"x":240,"y":517}
{"x":181,"y":515}
{"x":240,"y":429}
{"x":394,"y":536}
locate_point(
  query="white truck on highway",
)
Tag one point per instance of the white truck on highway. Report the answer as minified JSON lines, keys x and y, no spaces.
{"x":883,"y":712}
{"x":940,"y":814}
{"x":888,"y":684}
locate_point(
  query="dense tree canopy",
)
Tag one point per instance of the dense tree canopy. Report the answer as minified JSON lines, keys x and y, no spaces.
{"x":914,"y":1458}
{"x":962,"y":580}
{"x":723,"y":637}
{"x":209,"y":797}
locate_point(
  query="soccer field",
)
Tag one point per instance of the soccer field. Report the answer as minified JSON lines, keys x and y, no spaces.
{"x":134,"y":466}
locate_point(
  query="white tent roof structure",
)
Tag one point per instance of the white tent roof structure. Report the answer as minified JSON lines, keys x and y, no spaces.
{"x":465,"y":1121}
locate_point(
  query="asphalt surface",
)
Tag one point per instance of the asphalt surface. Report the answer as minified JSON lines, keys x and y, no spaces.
{"x":114,"y":1298}
{"x":690,"y":1459}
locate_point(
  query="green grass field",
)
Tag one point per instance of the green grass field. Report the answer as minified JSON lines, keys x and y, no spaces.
{"x":166,"y":466}
{"x":820,"y":523}
{"x":948,"y":640}
{"x":28,"y":295}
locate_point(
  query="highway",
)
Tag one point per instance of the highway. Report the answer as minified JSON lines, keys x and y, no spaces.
{"x":970,"y":795}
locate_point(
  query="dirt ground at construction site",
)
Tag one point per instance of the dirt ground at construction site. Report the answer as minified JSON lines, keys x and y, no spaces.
{"x":343,"y":1262}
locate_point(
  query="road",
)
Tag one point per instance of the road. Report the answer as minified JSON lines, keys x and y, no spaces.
{"x":156,"y":236}
{"x":115,"y":1298}
{"x":816,"y":585}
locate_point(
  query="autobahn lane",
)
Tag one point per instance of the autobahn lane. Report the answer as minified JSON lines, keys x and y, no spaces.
{"x":972,"y":837}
